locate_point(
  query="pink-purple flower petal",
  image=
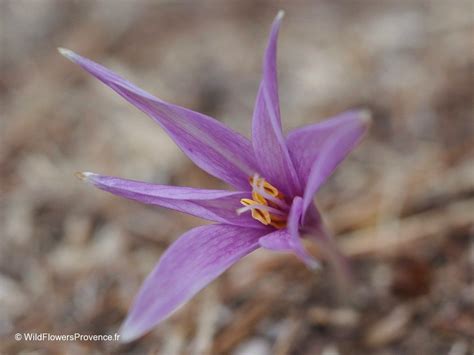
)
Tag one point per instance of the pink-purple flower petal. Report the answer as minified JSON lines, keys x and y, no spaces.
{"x":294,"y":223}
{"x":194,"y":260}
{"x":278,"y":240}
{"x":214,"y":205}
{"x":268,"y":142}
{"x":214,"y":147}
{"x":288,"y":239}
{"x":339,"y":142}
{"x":306,"y":143}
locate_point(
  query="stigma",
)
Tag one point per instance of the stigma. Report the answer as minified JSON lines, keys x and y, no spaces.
{"x":267,"y":204}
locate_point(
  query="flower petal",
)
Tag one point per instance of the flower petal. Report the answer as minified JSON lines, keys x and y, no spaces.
{"x":214,"y":205}
{"x":325,"y":150}
{"x":194,"y":260}
{"x":289,"y":239}
{"x":305,"y":144}
{"x":294,"y":222}
{"x":214,"y":147}
{"x":268,"y":142}
{"x":278,"y":240}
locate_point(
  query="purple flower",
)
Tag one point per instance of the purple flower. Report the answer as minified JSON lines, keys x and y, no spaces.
{"x":275,"y":177}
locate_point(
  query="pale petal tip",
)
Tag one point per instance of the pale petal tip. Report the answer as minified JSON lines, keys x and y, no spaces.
{"x":365,"y":117}
{"x":84,"y":175}
{"x":314,"y":265}
{"x":280,"y":15}
{"x":310,"y":262}
{"x":66,"y":53}
{"x":128,"y":334}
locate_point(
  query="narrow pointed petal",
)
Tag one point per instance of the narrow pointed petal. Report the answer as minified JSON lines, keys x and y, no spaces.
{"x":294,"y":222}
{"x":268,"y":142}
{"x":306,"y":143}
{"x":214,"y":205}
{"x":343,"y":136}
{"x":289,"y":239}
{"x":193,"y":261}
{"x":211,"y":145}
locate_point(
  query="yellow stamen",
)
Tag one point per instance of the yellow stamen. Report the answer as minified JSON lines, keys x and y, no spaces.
{"x":267,"y":187}
{"x":259,"y":198}
{"x":260,"y":212}
{"x":257,"y":213}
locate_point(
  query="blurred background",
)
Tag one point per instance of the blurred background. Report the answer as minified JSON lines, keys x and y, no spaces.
{"x":401,"y":206}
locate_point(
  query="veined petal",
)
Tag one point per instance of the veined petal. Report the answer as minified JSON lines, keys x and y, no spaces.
{"x":194,"y":260}
{"x":323,"y":146}
{"x":269,"y":145}
{"x":306,"y":143}
{"x":289,"y":239}
{"x":214,"y":205}
{"x":214,"y":147}
{"x":278,"y":240}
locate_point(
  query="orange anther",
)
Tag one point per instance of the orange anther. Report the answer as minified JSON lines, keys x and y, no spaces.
{"x":261,"y":207}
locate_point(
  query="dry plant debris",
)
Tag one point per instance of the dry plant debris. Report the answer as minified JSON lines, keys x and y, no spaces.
{"x":402,"y":207}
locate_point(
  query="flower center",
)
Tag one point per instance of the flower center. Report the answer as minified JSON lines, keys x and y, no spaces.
{"x":267,"y":205}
